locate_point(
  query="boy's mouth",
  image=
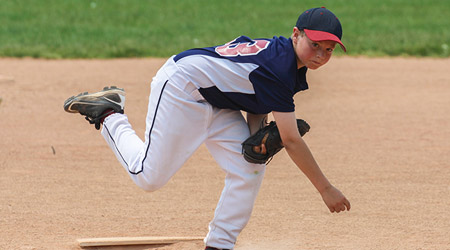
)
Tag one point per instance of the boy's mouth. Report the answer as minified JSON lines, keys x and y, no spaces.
{"x":316,"y":63}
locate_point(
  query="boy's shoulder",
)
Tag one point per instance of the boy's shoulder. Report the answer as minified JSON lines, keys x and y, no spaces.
{"x":273,"y":50}
{"x":246,"y":44}
{"x":244,"y":48}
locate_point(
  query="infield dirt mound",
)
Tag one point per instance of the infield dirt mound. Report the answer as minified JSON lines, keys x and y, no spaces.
{"x":379,"y":129}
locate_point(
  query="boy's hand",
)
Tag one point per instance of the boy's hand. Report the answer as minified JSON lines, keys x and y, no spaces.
{"x":266,"y":142}
{"x":335,"y":200}
{"x":261,"y":149}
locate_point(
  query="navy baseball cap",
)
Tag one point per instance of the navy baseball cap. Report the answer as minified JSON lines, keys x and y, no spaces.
{"x":320,"y":24}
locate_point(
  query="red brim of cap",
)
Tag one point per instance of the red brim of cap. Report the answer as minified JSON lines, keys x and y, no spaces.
{"x":317,"y":36}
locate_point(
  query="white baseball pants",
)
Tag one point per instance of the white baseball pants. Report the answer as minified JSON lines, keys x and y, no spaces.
{"x":179,"y":120}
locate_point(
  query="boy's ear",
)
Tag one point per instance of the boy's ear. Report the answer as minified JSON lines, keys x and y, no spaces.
{"x":295,"y":34}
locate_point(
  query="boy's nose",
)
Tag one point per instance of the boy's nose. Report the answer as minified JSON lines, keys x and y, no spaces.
{"x":320,"y":54}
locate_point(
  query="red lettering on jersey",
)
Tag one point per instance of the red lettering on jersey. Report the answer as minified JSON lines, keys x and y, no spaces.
{"x":242,"y":49}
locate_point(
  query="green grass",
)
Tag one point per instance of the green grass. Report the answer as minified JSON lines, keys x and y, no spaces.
{"x":138,"y":28}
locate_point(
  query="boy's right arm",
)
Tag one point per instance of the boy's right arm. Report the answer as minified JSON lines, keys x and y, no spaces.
{"x":303,"y":158}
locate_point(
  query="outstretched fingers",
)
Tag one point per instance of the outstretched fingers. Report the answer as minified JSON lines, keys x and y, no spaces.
{"x":341,"y":206}
{"x":347,"y":204}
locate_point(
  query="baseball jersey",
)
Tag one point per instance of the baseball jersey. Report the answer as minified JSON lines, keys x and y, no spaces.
{"x":257,"y":76}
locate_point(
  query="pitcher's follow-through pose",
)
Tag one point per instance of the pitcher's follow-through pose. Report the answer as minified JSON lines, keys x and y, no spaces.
{"x":197,"y":97}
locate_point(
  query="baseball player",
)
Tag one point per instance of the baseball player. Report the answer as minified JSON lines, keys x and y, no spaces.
{"x":197,"y":97}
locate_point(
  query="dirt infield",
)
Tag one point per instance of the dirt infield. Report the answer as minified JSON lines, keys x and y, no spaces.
{"x":380,"y":131}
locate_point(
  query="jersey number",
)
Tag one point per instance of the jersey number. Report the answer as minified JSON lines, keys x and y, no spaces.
{"x":242,"y":49}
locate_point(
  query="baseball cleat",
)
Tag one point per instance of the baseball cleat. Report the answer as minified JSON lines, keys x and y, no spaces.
{"x":97,"y":106}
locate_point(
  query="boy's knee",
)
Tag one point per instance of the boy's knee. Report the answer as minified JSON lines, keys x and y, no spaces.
{"x":150,"y":185}
{"x":151,"y":178}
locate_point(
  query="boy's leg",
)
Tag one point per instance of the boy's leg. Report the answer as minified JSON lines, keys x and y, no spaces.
{"x":243,"y":179}
{"x":175,"y":127}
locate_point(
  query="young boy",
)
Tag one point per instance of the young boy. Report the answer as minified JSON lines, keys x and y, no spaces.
{"x":197,"y":96}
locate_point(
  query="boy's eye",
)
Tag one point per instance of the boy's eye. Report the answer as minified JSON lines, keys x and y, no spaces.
{"x":315,"y":45}
{"x":330,"y":50}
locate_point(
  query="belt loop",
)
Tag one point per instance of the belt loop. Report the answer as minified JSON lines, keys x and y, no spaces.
{"x":197,"y":96}
{"x":177,"y":77}
{"x":192,"y":90}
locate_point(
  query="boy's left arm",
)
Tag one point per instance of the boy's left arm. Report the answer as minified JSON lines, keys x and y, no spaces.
{"x":301,"y":155}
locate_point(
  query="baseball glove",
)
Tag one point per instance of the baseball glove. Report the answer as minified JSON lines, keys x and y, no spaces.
{"x":270,"y":137}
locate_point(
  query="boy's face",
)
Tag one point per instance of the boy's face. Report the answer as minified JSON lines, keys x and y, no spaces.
{"x":310,"y":53}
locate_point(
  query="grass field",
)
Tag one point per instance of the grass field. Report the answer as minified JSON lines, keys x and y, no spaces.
{"x":160,"y":28}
